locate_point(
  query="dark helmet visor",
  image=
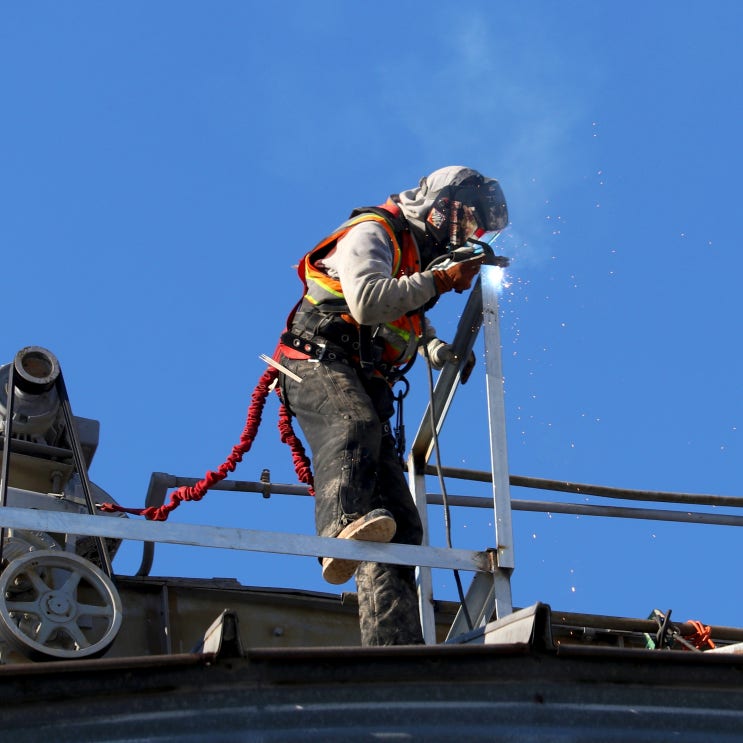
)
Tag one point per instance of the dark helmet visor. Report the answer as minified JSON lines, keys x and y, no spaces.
{"x":487,"y":198}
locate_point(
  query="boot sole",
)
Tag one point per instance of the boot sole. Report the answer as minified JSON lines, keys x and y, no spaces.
{"x":336,"y":570}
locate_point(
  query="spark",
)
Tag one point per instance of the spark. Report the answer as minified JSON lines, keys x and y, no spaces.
{"x":495,"y":276}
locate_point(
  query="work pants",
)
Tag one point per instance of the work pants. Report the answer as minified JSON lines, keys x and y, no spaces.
{"x":345,"y":419}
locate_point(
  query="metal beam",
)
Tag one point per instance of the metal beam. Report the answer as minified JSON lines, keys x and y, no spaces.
{"x":448,"y":379}
{"x":563,"y":486}
{"x":498,"y":444}
{"x":423,"y":444}
{"x":424,"y":579}
{"x":166,"y":481}
{"x":480,"y":600}
{"x":243,"y":539}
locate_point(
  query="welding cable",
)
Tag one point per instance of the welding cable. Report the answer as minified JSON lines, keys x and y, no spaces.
{"x":442,"y":484}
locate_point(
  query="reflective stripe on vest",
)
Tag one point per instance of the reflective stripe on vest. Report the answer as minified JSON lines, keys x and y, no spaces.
{"x":326,"y":293}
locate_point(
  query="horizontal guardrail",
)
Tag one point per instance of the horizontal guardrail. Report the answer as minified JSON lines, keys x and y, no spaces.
{"x":243,"y":539}
{"x":161,"y":482}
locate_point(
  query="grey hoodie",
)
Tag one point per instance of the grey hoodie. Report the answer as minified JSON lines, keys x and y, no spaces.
{"x":362,"y":260}
{"x":417,"y":202}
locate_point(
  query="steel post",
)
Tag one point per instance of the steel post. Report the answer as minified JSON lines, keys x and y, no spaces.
{"x":490,"y":281}
{"x":424,"y":580}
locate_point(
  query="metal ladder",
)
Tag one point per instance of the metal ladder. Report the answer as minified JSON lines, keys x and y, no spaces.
{"x":489,"y":594}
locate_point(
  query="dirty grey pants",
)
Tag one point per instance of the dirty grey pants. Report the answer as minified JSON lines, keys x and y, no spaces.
{"x":345,"y":420}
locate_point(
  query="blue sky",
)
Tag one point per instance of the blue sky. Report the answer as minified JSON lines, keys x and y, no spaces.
{"x":164,"y":165}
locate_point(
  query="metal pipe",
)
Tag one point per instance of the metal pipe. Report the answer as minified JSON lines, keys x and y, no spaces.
{"x":497,"y":421}
{"x":699,"y":499}
{"x":34,"y":448}
{"x":582,"y":509}
{"x":648,"y":514}
{"x":474,"y":501}
{"x":246,"y":539}
{"x":161,"y":481}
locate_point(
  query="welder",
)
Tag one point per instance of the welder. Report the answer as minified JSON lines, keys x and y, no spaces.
{"x":354,"y":333}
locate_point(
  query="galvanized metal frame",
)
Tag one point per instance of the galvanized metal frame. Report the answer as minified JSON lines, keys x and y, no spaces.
{"x":489,"y":593}
{"x":491,"y":589}
{"x":243,"y":539}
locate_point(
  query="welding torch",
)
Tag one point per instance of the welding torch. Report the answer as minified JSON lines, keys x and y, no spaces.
{"x":473,"y":250}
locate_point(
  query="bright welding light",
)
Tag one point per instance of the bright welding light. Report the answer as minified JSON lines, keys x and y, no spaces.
{"x":494,"y":267}
{"x":494,"y":276}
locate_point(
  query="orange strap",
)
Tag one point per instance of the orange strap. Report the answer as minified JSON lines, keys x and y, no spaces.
{"x":701,"y":639}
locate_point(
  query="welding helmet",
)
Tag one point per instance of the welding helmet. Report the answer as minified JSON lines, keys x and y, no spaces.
{"x":443,"y":194}
{"x":476,"y":207}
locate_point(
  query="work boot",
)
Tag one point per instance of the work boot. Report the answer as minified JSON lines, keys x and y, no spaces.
{"x":377,"y":526}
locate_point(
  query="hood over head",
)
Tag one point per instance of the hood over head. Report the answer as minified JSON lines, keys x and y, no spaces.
{"x":427,"y":207}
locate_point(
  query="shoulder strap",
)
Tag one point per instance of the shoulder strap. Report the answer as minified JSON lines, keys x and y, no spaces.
{"x":390,"y":212}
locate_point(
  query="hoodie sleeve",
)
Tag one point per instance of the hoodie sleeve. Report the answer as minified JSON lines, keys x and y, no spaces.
{"x":362,"y":262}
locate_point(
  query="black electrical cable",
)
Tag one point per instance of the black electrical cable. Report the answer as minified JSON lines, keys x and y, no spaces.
{"x":442,"y":485}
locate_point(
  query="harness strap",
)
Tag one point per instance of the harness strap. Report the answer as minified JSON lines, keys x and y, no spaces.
{"x":318,"y":348}
{"x":366,"y":349}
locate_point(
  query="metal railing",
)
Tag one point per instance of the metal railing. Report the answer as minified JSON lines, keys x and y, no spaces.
{"x":489,"y":594}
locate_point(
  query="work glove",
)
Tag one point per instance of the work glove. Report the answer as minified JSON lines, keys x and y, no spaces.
{"x":457,"y":276}
{"x":441,"y":353}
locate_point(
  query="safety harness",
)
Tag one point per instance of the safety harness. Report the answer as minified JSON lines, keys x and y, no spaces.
{"x":320,"y":326}
{"x":342,"y":338}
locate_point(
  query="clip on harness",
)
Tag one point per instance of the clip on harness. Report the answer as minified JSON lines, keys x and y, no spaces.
{"x":399,"y":431}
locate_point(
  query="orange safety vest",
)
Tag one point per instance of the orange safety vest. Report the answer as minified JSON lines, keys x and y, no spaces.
{"x":325,"y":294}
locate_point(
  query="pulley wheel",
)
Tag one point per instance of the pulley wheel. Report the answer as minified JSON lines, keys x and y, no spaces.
{"x":57,"y":605}
{"x":18,"y":542}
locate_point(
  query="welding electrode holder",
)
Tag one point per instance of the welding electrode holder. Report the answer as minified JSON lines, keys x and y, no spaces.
{"x":478,"y":251}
